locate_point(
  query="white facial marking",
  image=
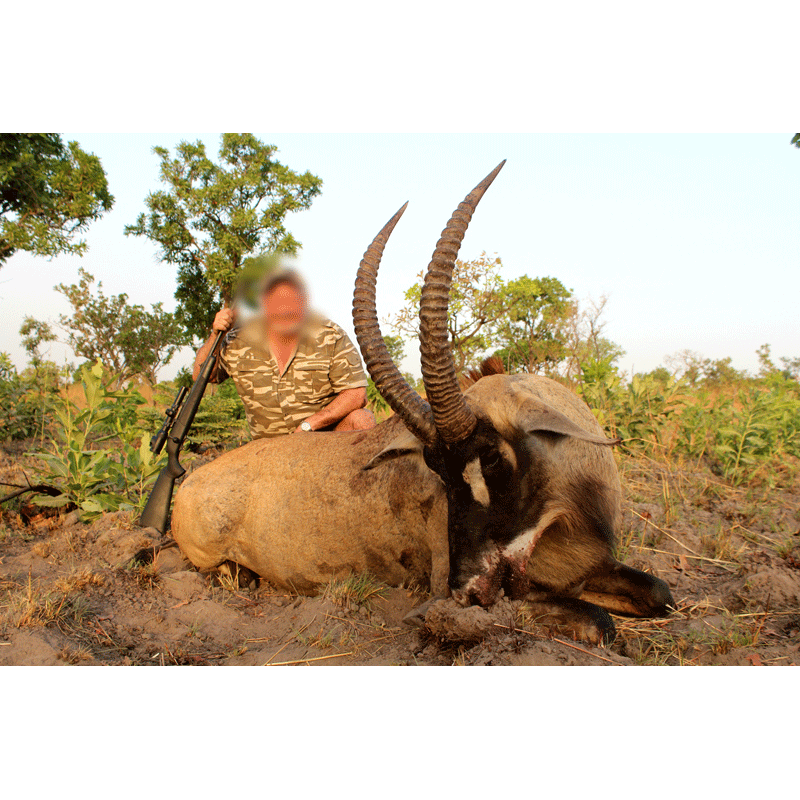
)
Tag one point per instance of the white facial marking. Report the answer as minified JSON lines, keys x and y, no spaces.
{"x":524,"y":543}
{"x":473,"y":475}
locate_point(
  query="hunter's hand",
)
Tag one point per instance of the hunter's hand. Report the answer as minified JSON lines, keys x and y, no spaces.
{"x":224,"y":320}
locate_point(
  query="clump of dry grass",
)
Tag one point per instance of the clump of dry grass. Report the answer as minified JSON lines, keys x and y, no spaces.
{"x":41,"y":549}
{"x":145,"y":575}
{"x":655,"y":642}
{"x":722,"y":544}
{"x":233,"y":577}
{"x":74,"y":655}
{"x":34,"y":606}
{"x":327,"y":639}
{"x":79,"y":580}
{"x":355,"y":590}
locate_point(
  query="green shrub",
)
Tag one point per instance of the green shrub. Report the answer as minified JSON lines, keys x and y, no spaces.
{"x":220,"y":419}
{"x":26,"y":401}
{"x":642,"y":413}
{"x":753,"y":428}
{"x":92,"y":477}
{"x":743,"y":429}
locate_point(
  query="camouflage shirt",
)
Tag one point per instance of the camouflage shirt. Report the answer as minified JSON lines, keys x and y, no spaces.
{"x":324,"y":364}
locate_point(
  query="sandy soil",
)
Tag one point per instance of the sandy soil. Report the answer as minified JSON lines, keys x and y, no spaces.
{"x":109,"y":593}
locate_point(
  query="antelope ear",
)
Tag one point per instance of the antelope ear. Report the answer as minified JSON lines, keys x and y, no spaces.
{"x":536,"y":417}
{"x":403,"y":445}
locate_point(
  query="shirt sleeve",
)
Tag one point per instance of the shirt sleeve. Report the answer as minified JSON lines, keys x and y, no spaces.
{"x":346,"y":371}
{"x":226,"y":363}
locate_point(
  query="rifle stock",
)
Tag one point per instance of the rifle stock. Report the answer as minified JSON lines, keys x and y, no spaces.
{"x":156,"y":512}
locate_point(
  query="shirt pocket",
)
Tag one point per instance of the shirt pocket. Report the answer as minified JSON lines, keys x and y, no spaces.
{"x":253,"y":376}
{"x":311,"y":381}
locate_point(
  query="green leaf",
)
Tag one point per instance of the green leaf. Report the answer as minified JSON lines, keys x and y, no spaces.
{"x":52,"y":502}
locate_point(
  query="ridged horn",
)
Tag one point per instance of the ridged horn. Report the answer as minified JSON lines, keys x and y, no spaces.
{"x":453,"y":418}
{"x":402,"y":399}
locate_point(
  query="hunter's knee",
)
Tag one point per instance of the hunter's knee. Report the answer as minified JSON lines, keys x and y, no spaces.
{"x":361,"y":420}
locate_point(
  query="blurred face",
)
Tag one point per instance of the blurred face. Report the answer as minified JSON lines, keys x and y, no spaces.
{"x":285,"y":309}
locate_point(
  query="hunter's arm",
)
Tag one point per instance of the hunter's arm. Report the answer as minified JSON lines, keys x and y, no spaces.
{"x":223,"y":322}
{"x":343,"y":404}
{"x":218,"y":375}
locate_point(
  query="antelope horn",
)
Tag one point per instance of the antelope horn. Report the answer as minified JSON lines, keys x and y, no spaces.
{"x":453,"y":418}
{"x":404,"y":401}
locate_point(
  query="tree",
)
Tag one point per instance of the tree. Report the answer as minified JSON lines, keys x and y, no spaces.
{"x":768,"y":369}
{"x":532,"y":328}
{"x":586,"y":347}
{"x":695,"y":369}
{"x":48,"y":194}
{"x":34,"y":334}
{"x":796,"y":140}
{"x":532,"y":324}
{"x":213,"y":216}
{"x":476,"y":304}
{"x":46,"y":375}
{"x":791,"y":368}
{"x":721,"y":370}
{"x":396,"y":350}
{"x":660,"y":374}
{"x":127,"y":339}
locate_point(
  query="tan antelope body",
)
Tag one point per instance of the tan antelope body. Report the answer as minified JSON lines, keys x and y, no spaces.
{"x":263,"y":506}
{"x":509,"y":485}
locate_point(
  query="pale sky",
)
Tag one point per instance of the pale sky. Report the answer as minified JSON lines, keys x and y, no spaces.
{"x":695,"y":238}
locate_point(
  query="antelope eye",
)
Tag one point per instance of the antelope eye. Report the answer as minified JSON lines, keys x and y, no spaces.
{"x":491,"y":461}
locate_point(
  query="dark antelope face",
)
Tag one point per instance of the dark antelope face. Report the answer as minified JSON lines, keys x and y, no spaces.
{"x":495,"y":491}
{"x":491,"y":452}
{"x":505,"y":483}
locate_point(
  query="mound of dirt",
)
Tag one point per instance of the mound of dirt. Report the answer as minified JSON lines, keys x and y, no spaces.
{"x":451,"y":622}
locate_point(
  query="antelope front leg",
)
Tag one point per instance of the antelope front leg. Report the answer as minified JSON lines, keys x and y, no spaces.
{"x":629,"y":592}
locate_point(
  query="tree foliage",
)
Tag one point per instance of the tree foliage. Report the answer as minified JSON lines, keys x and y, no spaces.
{"x":48,"y":194}
{"x":212,"y":216}
{"x":532,"y":324}
{"x":34,"y":334}
{"x":396,"y":350}
{"x":587,"y":347}
{"x":476,"y":303}
{"x":532,"y":328}
{"x":696,"y":370}
{"x":128,"y":339}
{"x":26,"y":400}
{"x":768,"y":368}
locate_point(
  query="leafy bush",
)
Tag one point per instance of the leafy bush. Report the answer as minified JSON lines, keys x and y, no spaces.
{"x":744,"y":430}
{"x":378,"y":406}
{"x":755,"y":427}
{"x":91,"y":477}
{"x":375,"y":398}
{"x":220,"y":419}
{"x":26,"y":401}
{"x":642,"y":413}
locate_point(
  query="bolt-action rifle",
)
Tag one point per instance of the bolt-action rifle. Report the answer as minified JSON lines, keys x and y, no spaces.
{"x":179,"y":418}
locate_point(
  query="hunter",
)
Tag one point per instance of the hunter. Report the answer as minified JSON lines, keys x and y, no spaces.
{"x":294,"y":370}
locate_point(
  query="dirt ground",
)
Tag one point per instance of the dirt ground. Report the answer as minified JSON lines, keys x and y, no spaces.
{"x":104,"y":593}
